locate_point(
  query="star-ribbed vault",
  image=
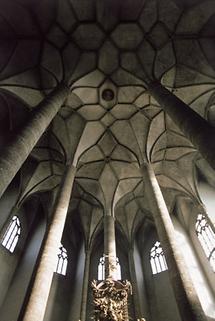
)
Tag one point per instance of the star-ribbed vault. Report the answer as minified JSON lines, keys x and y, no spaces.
{"x":116,"y":46}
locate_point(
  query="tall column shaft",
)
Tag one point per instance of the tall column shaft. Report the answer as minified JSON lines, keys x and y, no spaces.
{"x":85,"y":286}
{"x":109,"y":246}
{"x":185,"y":293}
{"x":14,"y":154}
{"x":36,"y":306}
{"x":132,"y":269}
{"x":194,"y":127}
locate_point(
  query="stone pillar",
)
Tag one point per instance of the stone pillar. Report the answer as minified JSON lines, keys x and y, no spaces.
{"x":110,"y":296}
{"x":200,"y":132}
{"x":36,"y":305}
{"x":185,"y":294}
{"x":109,"y":246}
{"x":85,"y":286}
{"x":132,"y":270}
{"x":16,"y":152}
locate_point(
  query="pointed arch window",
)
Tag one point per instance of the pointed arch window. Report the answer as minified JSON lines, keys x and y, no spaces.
{"x":206,"y":237}
{"x":101,"y":269}
{"x":12,"y":234}
{"x":62,"y":261}
{"x":157,"y":259}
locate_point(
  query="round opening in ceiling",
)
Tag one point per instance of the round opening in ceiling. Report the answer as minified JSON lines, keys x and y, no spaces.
{"x":108,"y":94}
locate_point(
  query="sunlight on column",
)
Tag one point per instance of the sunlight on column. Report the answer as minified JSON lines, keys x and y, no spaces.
{"x":199,"y":281}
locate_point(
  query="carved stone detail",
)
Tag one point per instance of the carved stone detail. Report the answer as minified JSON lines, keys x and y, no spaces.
{"x":111,"y":300}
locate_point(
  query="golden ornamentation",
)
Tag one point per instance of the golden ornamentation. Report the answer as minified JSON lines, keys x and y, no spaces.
{"x":111,"y":300}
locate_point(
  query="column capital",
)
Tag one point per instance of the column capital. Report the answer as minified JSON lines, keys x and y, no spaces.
{"x":64,"y":84}
{"x":154,"y":83}
{"x":196,"y":128}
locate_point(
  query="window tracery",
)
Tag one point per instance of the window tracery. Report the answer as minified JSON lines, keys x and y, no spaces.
{"x":157,"y":259}
{"x":101,"y":269}
{"x":62,"y":261}
{"x":206,"y":237}
{"x":12,"y":234}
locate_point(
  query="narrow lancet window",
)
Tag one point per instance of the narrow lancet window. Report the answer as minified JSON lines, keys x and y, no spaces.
{"x":12,"y":234}
{"x":118,"y":270}
{"x":206,"y":237}
{"x":157,"y":259}
{"x":62,"y":261}
{"x":101,"y":269}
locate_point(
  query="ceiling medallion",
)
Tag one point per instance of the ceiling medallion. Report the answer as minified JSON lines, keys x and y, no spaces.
{"x":107,"y":94}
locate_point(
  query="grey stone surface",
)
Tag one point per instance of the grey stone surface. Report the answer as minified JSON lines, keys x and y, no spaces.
{"x":108,"y":58}
{"x":121,"y":46}
{"x":149,"y":15}
{"x":158,"y":35}
{"x":127,"y":36}
{"x":88,"y":36}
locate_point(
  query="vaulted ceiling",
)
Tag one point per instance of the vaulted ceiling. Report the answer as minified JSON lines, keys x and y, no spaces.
{"x":107,"y":51}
